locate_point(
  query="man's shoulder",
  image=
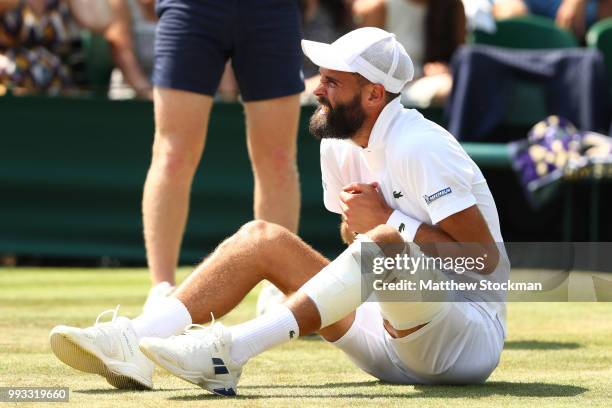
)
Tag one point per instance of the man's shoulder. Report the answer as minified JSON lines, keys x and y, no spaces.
{"x":414,"y":135}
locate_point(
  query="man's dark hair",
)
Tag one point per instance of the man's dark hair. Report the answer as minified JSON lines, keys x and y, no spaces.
{"x":391,"y":96}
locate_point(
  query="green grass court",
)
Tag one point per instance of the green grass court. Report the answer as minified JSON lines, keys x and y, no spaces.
{"x":557,"y":354}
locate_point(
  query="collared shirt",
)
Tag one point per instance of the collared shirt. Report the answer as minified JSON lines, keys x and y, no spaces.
{"x":422,"y":171}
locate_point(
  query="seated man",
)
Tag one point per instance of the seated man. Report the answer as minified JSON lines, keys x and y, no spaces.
{"x":395,"y":177}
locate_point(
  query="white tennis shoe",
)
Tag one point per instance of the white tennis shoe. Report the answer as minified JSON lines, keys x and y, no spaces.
{"x":201,"y":356}
{"x":109,"y":349}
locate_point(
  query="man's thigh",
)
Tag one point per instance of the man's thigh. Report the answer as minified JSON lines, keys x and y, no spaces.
{"x":287,"y":261}
{"x":272,"y":127}
{"x":181,"y":120}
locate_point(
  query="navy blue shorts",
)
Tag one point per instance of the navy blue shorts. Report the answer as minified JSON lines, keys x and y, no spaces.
{"x":195,"y":38}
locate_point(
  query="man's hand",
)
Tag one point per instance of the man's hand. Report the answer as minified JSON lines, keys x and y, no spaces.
{"x":435,"y":68}
{"x":363,"y":207}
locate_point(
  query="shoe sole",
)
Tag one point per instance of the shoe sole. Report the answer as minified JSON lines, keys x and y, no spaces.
{"x":78,"y":357}
{"x":192,"y":378}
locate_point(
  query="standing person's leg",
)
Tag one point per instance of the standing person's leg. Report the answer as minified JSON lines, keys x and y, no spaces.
{"x":271,"y":139}
{"x":181,"y":121}
{"x":272,"y":127}
{"x":268,"y":67}
{"x":192,"y":45}
{"x":267,"y":62}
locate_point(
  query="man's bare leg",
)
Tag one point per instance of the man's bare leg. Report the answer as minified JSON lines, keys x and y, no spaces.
{"x":259,"y":250}
{"x":272,"y":127}
{"x":181,"y":120}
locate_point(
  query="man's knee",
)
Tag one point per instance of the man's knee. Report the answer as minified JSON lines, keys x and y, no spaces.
{"x":261,"y":231}
{"x":278,"y":162}
{"x":262,"y":240}
{"x":385,"y":234}
{"x":174,"y":157}
{"x":252,"y":237}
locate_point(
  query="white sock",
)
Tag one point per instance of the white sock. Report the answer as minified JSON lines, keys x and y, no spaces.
{"x":271,"y":329}
{"x":157,"y":292}
{"x":167,"y":317}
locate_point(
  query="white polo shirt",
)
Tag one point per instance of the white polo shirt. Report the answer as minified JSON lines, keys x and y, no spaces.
{"x":422,"y":171}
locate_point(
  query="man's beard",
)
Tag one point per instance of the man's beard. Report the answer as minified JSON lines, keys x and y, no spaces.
{"x":341,"y":122}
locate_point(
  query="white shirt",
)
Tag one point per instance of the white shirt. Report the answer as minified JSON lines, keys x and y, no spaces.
{"x":422,"y":171}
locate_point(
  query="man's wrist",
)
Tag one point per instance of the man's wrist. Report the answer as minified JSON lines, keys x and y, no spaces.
{"x":405,"y":225}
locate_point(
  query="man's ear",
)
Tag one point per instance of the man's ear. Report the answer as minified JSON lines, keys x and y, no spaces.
{"x":377,"y":94}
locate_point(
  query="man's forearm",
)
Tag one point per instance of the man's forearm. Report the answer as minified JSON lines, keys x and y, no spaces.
{"x":433,"y":241}
{"x":436,"y":241}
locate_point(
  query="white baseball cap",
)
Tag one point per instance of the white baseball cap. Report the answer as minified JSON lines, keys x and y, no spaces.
{"x":369,"y":51}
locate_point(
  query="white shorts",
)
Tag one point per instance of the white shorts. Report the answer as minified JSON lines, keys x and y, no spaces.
{"x":461,"y":345}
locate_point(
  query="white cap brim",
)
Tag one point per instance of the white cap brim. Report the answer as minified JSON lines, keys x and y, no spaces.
{"x":325,"y":56}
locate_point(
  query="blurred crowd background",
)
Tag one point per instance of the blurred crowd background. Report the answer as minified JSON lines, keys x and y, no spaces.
{"x":57,"y":46}
{"x":529,"y":81}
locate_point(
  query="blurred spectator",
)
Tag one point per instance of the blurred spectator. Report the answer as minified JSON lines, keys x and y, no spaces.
{"x":132,"y":39}
{"x":324,"y":21}
{"x":40,"y":43}
{"x":479,"y":15}
{"x":572,"y":15}
{"x":430,"y":31}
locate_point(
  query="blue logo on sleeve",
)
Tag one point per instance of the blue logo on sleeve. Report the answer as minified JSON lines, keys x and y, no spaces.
{"x":431,"y":198}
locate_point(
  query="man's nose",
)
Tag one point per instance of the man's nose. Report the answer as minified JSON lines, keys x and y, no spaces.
{"x":319,"y":90}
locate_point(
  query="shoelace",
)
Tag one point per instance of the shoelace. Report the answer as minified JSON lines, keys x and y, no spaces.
{"x":114,"y":311}
{"x":106,"y":328}
{"x":208,"y":334}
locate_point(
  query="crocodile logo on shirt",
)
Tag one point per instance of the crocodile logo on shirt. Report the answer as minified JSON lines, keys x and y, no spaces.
{"x":401,"y":228}
{"x":397,"y":194}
